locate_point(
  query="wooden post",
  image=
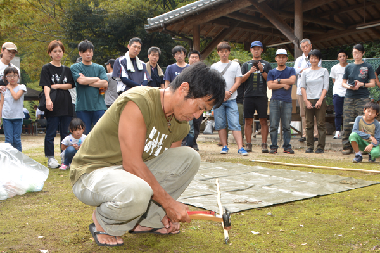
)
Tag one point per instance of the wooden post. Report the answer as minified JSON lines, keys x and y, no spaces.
{"x":196,"y":38}
{"x":298,"y":26}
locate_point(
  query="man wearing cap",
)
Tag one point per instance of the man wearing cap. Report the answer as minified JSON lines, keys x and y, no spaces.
{"x":300,"y":65}
{"x":111,"y":92}
{"x":8,"y":52}
{"x":281,"y":80}
{"x":254,"y":80}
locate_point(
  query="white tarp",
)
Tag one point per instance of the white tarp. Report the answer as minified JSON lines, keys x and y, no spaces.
{"x":245,"y":187}
{"x":19,"y":173}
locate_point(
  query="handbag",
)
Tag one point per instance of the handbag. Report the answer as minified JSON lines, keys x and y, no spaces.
{"x":53,"y":94}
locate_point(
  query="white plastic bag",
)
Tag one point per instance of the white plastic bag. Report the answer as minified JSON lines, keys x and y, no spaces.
{"x":19,"y":173}
{"x":209,"y":126}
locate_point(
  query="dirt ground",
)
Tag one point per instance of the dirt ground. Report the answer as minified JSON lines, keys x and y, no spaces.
{"x":209,"y":151}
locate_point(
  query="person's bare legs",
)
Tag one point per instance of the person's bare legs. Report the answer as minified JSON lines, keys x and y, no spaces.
{"x":264,"y":130}
{"x":355,"y":146}
{"x":238,"y":138}
{"x":248,"y":129}
{"x":105,"y":239}
{"x":223,"y":137}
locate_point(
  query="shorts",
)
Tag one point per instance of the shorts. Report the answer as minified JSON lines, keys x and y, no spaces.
{"x":259,"y":104}
{"x":227,"y":112}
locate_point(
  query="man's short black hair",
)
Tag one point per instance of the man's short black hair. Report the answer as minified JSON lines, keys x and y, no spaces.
{"x":342,"y":51}
{"x":359,"y":47}
{"x":179,"y":49}
{"x":194,"y":52}
{"x":154,"y":50}
{"x":316,"y":53}
{"x":83,"y":46}
{"x":111,"y":62}
{"x":135,"y":39}
{"x":203,"y":82}
{"x":373,"y":106}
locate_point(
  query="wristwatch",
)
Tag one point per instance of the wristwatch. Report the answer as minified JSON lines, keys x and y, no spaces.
{"x":278,"y":80}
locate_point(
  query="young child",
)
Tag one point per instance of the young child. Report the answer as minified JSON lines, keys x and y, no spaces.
{"x":365,"y":134}
{"x":72,"y":142}
{"x":11,"y":107}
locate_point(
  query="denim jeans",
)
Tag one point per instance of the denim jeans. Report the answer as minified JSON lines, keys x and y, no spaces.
{"x":12,"y":132}
{"x":70,"y":152}
{"x":227,"y":112}
{"x":338,"y":108}
{"x":280,"y":110}
{"x":89,"y":118}
{"x":51,"y":130}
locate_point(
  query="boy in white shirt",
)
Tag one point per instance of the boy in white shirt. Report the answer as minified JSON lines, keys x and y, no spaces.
{"x":339,"y":92}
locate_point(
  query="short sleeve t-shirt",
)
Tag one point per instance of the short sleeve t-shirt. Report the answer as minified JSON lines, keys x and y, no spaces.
{"x":314,"y":81}
{"x":111,"y":92}
{"x":172,"y":71}
{"x":70,"y":140}
{"x":361,"y":72}
{"x":231,"y":73}
{"x":88,"y":98}
{"x":337,"y":72}
{"x":50,"y":75}
{"x":102,"y":147}
{"x":281,"y":94}
{"x":13,"y":109}
{"x":255,"y":85}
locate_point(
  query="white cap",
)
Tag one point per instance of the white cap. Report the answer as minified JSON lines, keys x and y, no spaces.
{"x":281,"y":51}
{"x":9,"y":46}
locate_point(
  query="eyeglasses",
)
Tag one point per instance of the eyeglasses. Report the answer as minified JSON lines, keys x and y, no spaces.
{"x":11,"y":77}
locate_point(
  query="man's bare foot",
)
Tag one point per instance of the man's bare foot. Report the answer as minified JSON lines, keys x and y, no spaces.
{"x":106,"y":239}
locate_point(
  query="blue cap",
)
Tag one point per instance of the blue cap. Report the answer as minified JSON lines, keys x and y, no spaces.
{"x":256,"y":44}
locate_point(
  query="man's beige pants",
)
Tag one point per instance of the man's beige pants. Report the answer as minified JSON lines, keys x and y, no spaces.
{"x":123,"y":200}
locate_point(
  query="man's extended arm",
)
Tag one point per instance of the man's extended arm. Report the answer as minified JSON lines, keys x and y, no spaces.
{"x":132,"y":147}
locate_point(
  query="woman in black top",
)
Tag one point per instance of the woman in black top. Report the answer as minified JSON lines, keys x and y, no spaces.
{"x":56,"y":79}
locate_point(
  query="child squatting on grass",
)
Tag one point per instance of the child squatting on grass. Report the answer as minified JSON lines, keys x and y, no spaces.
{"x":365,"y":134}
{"x":71,"y":144}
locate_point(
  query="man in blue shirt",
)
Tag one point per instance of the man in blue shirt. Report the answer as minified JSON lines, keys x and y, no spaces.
{"x":129,"y":70}
{"x":281,"y":80}
{"x":89,"y":77}
{"x":179,"y":54}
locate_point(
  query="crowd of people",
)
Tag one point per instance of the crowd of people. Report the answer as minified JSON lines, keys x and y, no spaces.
{"x":134,"y":177}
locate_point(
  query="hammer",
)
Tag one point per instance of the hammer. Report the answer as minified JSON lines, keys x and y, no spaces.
{"x":210,"y":215}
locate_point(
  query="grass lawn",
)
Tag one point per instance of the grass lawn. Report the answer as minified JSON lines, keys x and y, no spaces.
{"x":55,"y":220}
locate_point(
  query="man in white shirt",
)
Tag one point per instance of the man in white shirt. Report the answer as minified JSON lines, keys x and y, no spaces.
{"x":339,"y":92}
{"x":300,"y":65}
{"x":228,"y":111}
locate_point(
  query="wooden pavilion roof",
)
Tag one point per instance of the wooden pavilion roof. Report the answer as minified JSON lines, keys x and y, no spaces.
{"x":327,"y":23}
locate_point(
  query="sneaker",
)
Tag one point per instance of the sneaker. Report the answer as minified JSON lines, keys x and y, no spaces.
{"x":347,"y":151}
{"x":242,"y":151}
{"x":64,"y":167}
{"x":248,"y":147}
{"x":53,"y":163}
{"x":315,"y":139}
{"x":273,"y":151}
{"x":302,"y":139}
{"x":224,"y":150}
{"x":337,"y":135}
{"x":357,"y":159}
{"x":264,"y":148}
{"x":370,"y":159}
{"x":195,"y":147}
{"x":289,"y":151}
{"x":319,"y":151}
{"x":309,"y":150}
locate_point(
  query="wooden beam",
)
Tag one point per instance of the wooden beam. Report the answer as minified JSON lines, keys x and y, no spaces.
{"x":217,"y":12}
{"x":298,"y":25}
{"x":312,"y":4}
{"x":276,"y":21}
{"x":314,"y":19}
{"x":334,"y":34}
{"x":205,"y":52}
{"x":345,"y":9}
{"x":196,"y":38}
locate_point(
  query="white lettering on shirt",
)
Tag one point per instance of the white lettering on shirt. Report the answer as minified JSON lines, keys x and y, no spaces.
{"x":153,"y":145}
